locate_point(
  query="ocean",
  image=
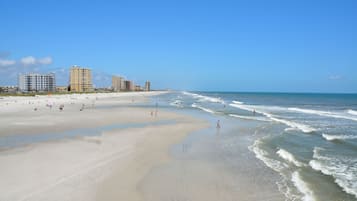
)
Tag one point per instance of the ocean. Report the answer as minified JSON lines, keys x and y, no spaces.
{"x":308,"y":140}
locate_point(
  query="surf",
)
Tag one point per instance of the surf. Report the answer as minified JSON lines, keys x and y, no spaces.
{"x":304,"y":128}
{"x":342,"y":170}
{"x":289,"y":157}
{"x":338,"y":137}
{"x":194,"y":105}
{"x":323,"y":113}
{"x":202,"y":98}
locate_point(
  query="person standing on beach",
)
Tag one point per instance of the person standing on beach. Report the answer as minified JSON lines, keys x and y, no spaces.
{"x":218,"y":126}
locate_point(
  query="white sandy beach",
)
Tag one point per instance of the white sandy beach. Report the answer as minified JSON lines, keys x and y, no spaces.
{"x":107,"y":166}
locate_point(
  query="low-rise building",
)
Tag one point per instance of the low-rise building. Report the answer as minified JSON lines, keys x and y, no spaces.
{"x":138,"y":88}
{"x":62,"y":89}
{"x":8,"y":89}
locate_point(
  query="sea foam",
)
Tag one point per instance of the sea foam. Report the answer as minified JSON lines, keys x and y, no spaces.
{"x":304,"y":128}
{"x":249,"y":117}
{"x":177,"y":103}
{"x":202,"y":108}
{"x":264,"y":156}
{"x":277,"y":166}
{"x":353,"y":112}
{"x":303,"y":187}
{"x":289,"y":157}
{"x":238,"y":102}
{"x":324,"y":113}
{"x":202,"y":98}
{"x":341,"y":169}
{"x":338,"y":137}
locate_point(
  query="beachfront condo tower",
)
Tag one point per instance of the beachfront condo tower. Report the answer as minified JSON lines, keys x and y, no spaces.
{"x":129,"y":85}
{"x":34,"y":82}
{"x":117,"y":83}
{"x":147,"y":86}
{"x":80,"y":79}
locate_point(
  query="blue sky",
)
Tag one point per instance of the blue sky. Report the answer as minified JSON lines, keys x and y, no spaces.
{"x":251,"y":45}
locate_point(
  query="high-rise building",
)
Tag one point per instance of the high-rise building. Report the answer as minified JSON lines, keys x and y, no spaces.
{"x":37,"y":82}
{"x":129,"y":85}
{"x":117,"y":83}
{"x":80,"y":79}
{"x":122,"y":85}
{"x":147,"y":86}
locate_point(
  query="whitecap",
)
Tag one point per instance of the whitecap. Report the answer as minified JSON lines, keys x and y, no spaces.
{"x":324,"y":113}
{"x":304,"y":128}
{"x":353,"y":112}
{"x":289,"y":157}
{"x":177,"y":103}
{"x":264,"y":156}
{"x":249,"y":117}
{"x":303,"y":187}
{"x":202,"y":98}
{"x":338,"y":137}
{"x":277,"y":166}
{"x":202,"y":108}
{"x":341,"y":169}
{"x":238,"y":102}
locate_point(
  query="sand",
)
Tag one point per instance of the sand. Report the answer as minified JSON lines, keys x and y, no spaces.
{"x":112,"y":164}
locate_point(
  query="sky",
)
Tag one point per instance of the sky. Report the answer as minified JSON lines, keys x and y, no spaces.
{"x":241,"y":45}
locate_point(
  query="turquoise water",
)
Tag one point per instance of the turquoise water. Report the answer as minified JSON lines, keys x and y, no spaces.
{"x":310,"y":140}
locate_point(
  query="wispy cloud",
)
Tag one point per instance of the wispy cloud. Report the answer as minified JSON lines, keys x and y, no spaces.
{"x":101,"y":79}
{"x":45,"y":60}
{"x":10,"y":68}
{"x":5,"y":62}
{"x":30,"y":60}
{"x":335,"y":77}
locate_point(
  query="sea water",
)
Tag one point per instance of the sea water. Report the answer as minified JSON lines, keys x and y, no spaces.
{"x":309,"y":140}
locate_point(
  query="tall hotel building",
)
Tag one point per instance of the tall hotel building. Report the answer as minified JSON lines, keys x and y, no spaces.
{"x":118,"y":83}
{"x":129,"y":85}
{"x":147,"y":86}
{"x":80,"y":79}
{"x":34,"y":82}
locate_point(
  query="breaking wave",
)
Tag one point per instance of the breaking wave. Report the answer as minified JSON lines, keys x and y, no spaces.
{"x":338,"y":137}
{"x":281,"y":168}
{"x":202,"y":108}
{"x":249,"y":117}
{"x":202,"y":98}
{"x":304,"y":128}
{"x":264,"y":156}
{"x":342,"y":169}
{"x":177,"y":103}
{"x":303,"y":187}
{"x":353,"y":112}
{"x":289,"y":157}
{"x":324,"y":113}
